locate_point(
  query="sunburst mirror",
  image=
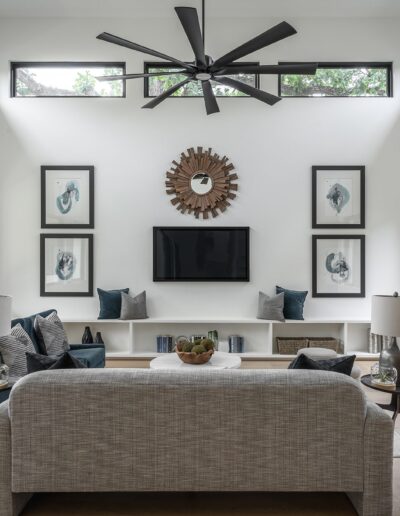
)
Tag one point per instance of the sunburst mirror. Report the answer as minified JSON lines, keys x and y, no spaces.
{"x":201,"y":183}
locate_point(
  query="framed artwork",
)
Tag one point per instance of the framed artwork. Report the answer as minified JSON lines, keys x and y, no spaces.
{"x":66,"y":265}
{"x":338,"y":266}
{"x":338,"y":197}
{"x":67,"y":197}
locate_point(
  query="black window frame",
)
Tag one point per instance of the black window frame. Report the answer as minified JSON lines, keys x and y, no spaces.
{"x":166,"y":64}
{"x":14,"y":65}
{"x":346,"y":64}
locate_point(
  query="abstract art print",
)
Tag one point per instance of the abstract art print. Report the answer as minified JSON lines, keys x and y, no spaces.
{"x":338,"y":197}
{"x":66,"y":265}
{"x":67,"y":197}
{"x":338,"y":266}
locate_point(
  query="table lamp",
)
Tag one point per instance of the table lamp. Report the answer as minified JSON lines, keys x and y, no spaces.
{"x":5,"y":315}
{"x":385,"y":320}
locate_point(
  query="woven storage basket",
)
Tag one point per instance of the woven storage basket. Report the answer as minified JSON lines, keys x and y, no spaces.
{"x":324,"y":342}
{"x":290,"y":345}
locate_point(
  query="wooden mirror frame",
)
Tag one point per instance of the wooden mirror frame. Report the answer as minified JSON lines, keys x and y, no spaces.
{"x":218,"y":169}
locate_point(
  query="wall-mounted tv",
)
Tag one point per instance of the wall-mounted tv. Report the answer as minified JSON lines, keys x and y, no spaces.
{"x":200,"y":254}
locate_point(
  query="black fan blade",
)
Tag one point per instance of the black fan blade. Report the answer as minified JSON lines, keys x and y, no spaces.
{"x":153,"y":103}
{"x":190,"y":22}
{"x":297,"y":69}
{"x":137,"y":75}
{"x":249,"y":90}
{"x":110,"y":38}
{"x":280,"y":31}
{"x":209,"y":98}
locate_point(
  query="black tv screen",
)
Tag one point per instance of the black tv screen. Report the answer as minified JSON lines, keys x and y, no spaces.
{"x":200,"y":254}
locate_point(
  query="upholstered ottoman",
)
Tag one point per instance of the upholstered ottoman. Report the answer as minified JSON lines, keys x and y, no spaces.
{"x":326,"y":354}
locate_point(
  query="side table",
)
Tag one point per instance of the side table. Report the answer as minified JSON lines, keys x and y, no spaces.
{"x":394,"y":404}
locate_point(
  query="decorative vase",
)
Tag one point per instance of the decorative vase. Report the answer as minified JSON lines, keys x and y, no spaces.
{"x":87,"y":337}
{"x":98,"y":339}
{"x":391,"y":358}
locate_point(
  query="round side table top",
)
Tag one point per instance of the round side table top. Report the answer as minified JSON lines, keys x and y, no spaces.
{"x":219,"y":360}
{"x":366,"y":380}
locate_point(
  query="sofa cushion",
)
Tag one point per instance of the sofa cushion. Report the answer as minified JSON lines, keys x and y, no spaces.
{"x":51,"y":330}
{"x":293,"y":303}
{"x":110,"y":303}
{"x":91,"y":357}
{"x":13,"y":350}
{"x":28,"y":324}
{"x":342,"y":365}
{"x":133,"y":307}
{"x":37,"y":362}
{"x":270,"y":308}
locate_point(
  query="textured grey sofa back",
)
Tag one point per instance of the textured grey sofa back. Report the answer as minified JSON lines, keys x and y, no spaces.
{"x":140,"y":430}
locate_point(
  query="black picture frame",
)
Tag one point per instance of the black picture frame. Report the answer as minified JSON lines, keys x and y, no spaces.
{"x":315,"y":292}
{"x":44,"y":170}
{"x":315,"y":223}
{"x":46,"y":236}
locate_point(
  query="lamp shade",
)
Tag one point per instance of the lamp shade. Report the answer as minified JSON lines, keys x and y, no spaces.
{"x":5,"y":315}
{"x":385,"y":316}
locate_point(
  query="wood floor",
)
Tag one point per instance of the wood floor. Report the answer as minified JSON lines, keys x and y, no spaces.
{"x":212,"y":504}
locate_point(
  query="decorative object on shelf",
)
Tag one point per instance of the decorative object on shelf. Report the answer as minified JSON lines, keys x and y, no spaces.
{"x":196,"y":353}
{"x":383,"y":376}
{"x":4,"y":373}
{"x":87,"y":337}
{"x":67,"y":197}
{"x":325,"y":343}
{"x":110,"y":303}
{"x":271,"y":308}
{"x":290,"y":345}
{"x":338,"y":266}
{"x":164,"y":343}
{"x":205,"y":69}
{"x":385,"y":320}
{"x":98,"y":338}
{"x":213,"y":335}
{"x":5,"y":315}
{"x":201,"y":183}
{"x":338,"y":197}
{"x":195,"y":337}
{"x":293,"y":303}
{"x":376,"y":343}
{"x":133,"y":307}
{"x":236,"y":344}
{"x":66,"y":265}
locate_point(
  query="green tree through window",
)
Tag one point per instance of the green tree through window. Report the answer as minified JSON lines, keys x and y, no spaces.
{"x":357,"y":81}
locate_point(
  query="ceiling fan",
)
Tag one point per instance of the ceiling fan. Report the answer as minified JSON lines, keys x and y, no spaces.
{"x":205,"y":69}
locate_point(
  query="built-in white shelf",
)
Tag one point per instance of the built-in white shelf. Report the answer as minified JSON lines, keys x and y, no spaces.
{"x":137,"y":338}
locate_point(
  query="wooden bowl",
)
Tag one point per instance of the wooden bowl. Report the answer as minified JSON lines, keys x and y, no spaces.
{"x":194,"y":358}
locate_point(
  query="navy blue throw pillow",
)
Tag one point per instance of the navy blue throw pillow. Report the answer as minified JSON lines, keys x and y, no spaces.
{"x":110,"y":303}
{"x":36,"y":362}
{"x":293,"y":304}
{"x":338,"y":365}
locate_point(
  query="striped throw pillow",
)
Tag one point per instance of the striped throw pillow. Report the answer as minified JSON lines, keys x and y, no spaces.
{"x":13,"y":349}
{"x":52,"y":331}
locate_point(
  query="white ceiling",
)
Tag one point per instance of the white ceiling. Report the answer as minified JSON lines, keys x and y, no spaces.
{"x":214,"y":8}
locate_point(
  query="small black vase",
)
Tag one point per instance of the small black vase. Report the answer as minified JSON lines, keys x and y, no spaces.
{"x":87,"y":337}
{"x":98,"y":339}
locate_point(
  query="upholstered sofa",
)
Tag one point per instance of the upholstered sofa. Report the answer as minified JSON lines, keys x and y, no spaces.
{"x":92,"y":355}
{"x":231,"y":430}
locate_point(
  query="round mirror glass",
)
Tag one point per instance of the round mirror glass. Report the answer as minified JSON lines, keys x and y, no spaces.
{"x":201,"y":183}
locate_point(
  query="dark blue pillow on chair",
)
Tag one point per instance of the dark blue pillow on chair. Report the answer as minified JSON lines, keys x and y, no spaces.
{"x":293,"y":303}
{"x":110,"y":303}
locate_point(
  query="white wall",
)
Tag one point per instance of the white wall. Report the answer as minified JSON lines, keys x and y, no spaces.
{"x":273,"y":150}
